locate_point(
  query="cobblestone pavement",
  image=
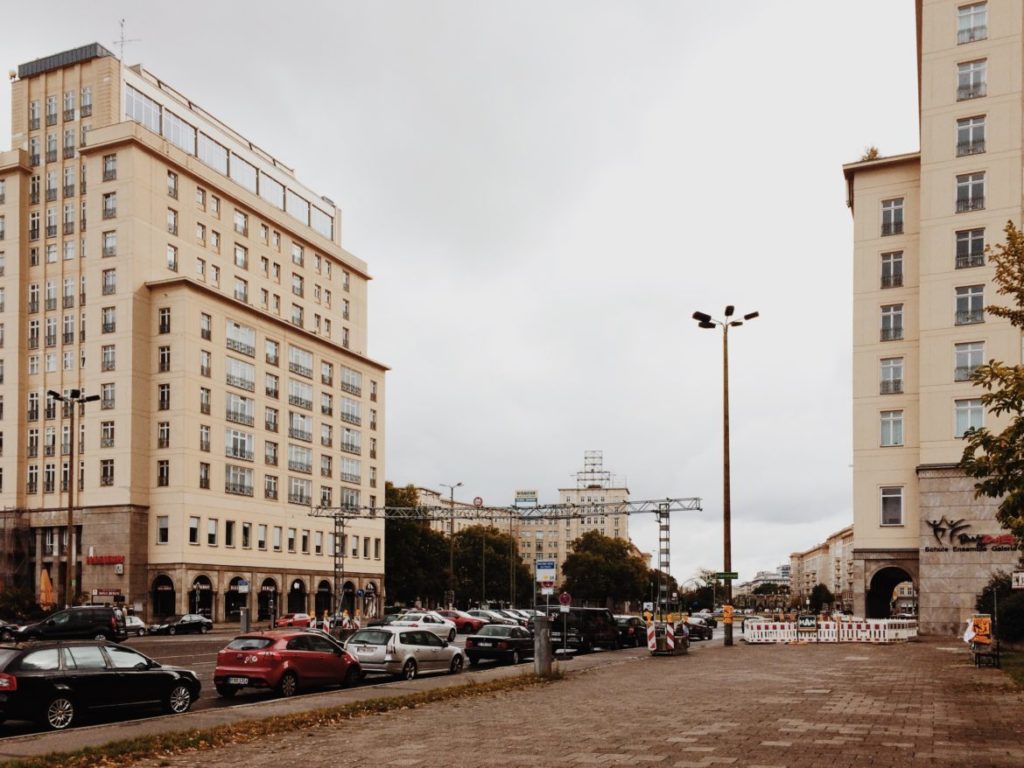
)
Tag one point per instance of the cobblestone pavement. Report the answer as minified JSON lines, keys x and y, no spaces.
{"x":919,"y":704}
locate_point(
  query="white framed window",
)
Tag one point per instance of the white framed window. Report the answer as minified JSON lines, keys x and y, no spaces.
{"x":892,"y":322}
{"x":968,"y":356}
{"x":968,"y":414}
{"x":970,"y":136}
{"x":892,"y":506}
{"x":970,"y":192}
{"x":971,"y":23}
{"x":970,"y":248}
{"x":892,"y":269}
{"x":970,"y":304}
{"x":891,"y":428}
{"x":971,"y":81}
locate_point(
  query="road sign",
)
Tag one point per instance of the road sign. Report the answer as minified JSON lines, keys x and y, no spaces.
{"x":648,"y":606}
{"x":807,"y":623}
{"x":563,"y":608}
{"x":731,"y":575}
{"x":547,"y":584}
{"x":548,"y":591}
{"x":526,"y":497}
{"x":1018,"y":579}
{"x":478,"y":501}
{"x":565,"y":599}
{"x":547,"y":570}
{"x":243,"y":587}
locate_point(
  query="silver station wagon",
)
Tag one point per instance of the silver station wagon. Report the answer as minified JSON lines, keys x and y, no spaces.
{"x":404,"y":651}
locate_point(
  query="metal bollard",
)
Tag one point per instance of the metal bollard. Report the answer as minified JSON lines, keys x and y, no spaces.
{"x":243,"y":619}
{"x":542,"y":645}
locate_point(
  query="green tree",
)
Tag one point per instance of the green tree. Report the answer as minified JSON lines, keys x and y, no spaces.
{"x":603,"y":571}
{"x":767,"y":589}
{"x":821,"y":596}
{"x":482,"y":556}
{"x":996,"y":459}
{"x":415,"y":557}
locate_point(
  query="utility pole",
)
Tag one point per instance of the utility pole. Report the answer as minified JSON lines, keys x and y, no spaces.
{"x":451,"y":546}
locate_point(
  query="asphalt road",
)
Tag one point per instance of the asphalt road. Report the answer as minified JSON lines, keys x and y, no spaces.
{"x":199,"y":654}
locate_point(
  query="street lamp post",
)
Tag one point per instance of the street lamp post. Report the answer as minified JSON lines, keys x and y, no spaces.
{"x":705,"y":321}
{"x":74,"y":397}
{"x":451,"y":546}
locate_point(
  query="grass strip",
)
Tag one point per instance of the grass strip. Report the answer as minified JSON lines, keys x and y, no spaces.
{"x":120,"y":753}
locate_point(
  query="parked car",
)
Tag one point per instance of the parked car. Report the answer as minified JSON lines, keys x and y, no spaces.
{"x":56,"y":683}
{"x":698,"y":628}
{"x":463,"y":621}
{"x":707,"y":616}
{"x":8,"y":630}
{"x":180,"y":625}
{"x":285,"y":661}
{"x":404,"y":651}
{"x":632,"y":631}
{"x":389,"y":618}
{"x":85,"y":622}
{"x":490,"y":616}
{"x":585,"y":629}
{"x":294,"y":620}
{"x":511,"y":613}
{"x":135,"y":626}
{"x":428,"y":620}
{"x":500,"y":641}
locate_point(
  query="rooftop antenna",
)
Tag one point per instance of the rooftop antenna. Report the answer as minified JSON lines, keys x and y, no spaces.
{"x":120,"y":43}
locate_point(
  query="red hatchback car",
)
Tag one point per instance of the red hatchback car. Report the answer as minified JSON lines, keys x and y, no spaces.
{"x":285,"y":661}
{"x":463,"y":621}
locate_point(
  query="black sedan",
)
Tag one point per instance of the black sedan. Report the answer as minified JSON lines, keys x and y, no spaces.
{"x":698,"y":629}
{"x":180,"y":625}
{"x":505,"y":642}
{"x":56,"y":683}
{"x":7,"y":630}
{"x":632,"y":631}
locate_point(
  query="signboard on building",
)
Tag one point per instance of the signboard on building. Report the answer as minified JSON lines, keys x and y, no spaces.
{"x":526,"y":497}
{"x":547,"y":571}
{"x":1018,"y":580}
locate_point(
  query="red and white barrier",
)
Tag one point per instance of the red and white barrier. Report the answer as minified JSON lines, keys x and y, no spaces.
{"x":652,"y":641}
{"x":856,"y":631}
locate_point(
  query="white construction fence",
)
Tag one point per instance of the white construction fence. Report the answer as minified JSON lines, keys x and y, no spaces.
{"x":832,"y":631}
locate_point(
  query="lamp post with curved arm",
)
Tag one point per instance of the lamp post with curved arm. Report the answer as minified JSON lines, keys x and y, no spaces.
{"x":451,"y":547}
{"x":706,"y":321}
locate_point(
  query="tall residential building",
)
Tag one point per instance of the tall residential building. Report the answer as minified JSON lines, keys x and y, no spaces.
{"x":830,"y":564}
{"x":921,"y":285}
{"x":154,"y":256}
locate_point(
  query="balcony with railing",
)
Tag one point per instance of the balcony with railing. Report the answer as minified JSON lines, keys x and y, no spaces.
{"x":964,"y":372}
{"x":326,"y":441}
{"x":243,"y":348}
{"x":269,"y":493}
{"x":890,"y":387}
{"x":300,"y":402}
{"x":106,"y":480}
{"x":973,"y":203}
{"x":163,"y":442}
{"x":109,"y":174}
{"x":33,"y":451}
{"x":240,"y":382}
{"x":106,"y":442}
{"x":33,"y":160}
{"x":892,"y":228}
{"x":33,"y":233}
{"x":964,"y":148}
{"x":300,"y":434}
{"x":239,"y":489}
{"x":33,"y":342}
{"x":235,"y":452}
{"x":69,"y":152}
{"x":302,"y":370}
{"x":68,"y":337}
{"x":972,"y":91}
{"x":326,"y":380}
{"x":270,"y":425}
{"x":300,"y":466}
{"x":894,"y":333}
{"x":51,"y":230}
{"x":109,"y":327}
{"x":69,"y":228}
{"x":51,"y":194}
{"x":355,"y":450}
{"x":51,"y":118}
{"x":239,"y":417}
{"x":33,"y":123}
{"x":299,"y":498}
{"x":270,"y":459}
{"x":888,"y":281}
{"x":326,"y":410}
{"x":350,"y":478}
{"x":51,"y":155}
{"x":69,"y":115}
{"x":325,"y":471}
{"x":68,"y":301}
{"x":967,"y":260}
{"x":106,"y":404}
{"x":971,"y":34}
{"x":970,"y":316}
{"x":351,"y":388}
{"x":350,"y":418}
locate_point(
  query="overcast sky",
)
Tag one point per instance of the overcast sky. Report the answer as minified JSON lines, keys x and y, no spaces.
{"x":544,"y":193}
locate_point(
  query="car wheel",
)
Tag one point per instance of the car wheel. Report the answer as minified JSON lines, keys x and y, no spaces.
{"x":289,"y":685}
{"x":59,"y":713}
{"x":451,"y":636}
{"x":179,"y":700}
{"x":140,"y":632}
{"x":101,"y":636}
{"x":352,"y":676}
{"x":226,"y":691}
{"x":204,"y":629}
{"x":515,"y":658}
{"x":409,"y":669}
{"x":6,"y":636}
{"x":172,"y":631}
{"x":456,"y":666}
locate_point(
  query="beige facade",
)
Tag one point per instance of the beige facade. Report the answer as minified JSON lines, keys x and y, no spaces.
{"x":155,"y":257}
{"x":921,"y":282}
{"x":829,"y":563}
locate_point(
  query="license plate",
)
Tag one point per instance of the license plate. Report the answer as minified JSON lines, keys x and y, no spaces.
{"x":238,"y":681}
{"x":484,"y":645}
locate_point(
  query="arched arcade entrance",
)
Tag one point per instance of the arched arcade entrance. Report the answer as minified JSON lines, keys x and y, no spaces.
{"x":348,"y":598}
{"x":322,"y":600}
{"x":879,"y":597}
{"x":235,"y":599}
{"x":163,"y":596}
{"x":200,"y":598}
{"x":268,"y":602}
{"x":297,"y":597}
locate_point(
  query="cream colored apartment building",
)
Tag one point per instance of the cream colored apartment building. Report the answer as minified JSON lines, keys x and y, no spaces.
{"x":921,"y":284}
{"x":829,"y":563}
{"x":153,"y":256}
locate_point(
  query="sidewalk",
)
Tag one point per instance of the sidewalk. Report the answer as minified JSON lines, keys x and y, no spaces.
{"x":917,"y":704}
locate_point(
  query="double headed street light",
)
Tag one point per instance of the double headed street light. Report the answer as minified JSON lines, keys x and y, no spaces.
{"x":706,"y":321}
{"x":451,"y":547}
{"x":73,"y":397}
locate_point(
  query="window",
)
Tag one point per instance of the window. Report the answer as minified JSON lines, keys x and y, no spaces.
{"x":106,"y":471}
{"x":892,"y":428}
{"x":163,"y":359}
{"x":211,"y":532}
{"x":270,"y":419}
{"x":205,"y":326}
{"x":892,"y":322}
{"x":971,"y":23}
{"x":193,"y":530}
{"x":298,"y":315}
{"x":892,"y":506}
{"x":968,"y":357}
{"x":971,"y":80}
{"x":300,"y":490}
{"x":164,"y":320}
{"x":241,"y":257}
{"x":970,"y":305}
{"x":107,"y":396}
{"x":110,"y":205}
{"x":261,"y":537}
{"x":241,"y":290}
{"x":970,"y":248}
{"x":108,"y":357}
{"x":240,"y":374}
{"x":276,"y":538}
{"x":163,"y":531}
{"x":229,"y":533}
{"x":204,"y":475}
{"x":172,"y":258}
{"x":892,"y":217}
{"x":270,"y":453}
{"x":205,"y":363}
{"x":297,"y":255}
{"x":238,"y":480}
{"x":204,"y":437}
{"x":892,"y":376}
{"x":246,"y":535}
{"x":892,"y":276}
{"x":172,"y":184}
{"x":298,"y":285}
{"x":106,"y":434}
{"x":969,"y":414}
{"x":172,"y":221}
{"x":164,"y":397}
{"x":163,"y":434}
{"x":318,"y":543}
{"x":204,"y":400}
{"x":270,"y":487}
{"x":109,"y":282}
{"x":970,"y":192}
{"x":109,"y":167}
{"x":291,"y":539}
{"x":273,"y":352}
{"x":272,"y":385}
{"x":970,"y":136}
{"x":163,"y":473}
{"x":241,"y":222}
